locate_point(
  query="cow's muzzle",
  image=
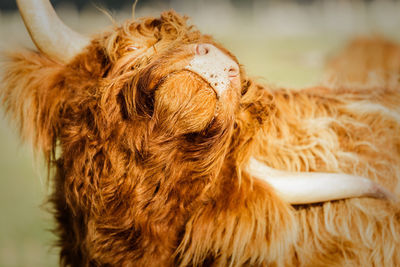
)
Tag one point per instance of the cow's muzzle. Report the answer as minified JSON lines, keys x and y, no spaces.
{"x":214,"y":66}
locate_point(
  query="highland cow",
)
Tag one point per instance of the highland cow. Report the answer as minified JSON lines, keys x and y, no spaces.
{"x":166,"y":153}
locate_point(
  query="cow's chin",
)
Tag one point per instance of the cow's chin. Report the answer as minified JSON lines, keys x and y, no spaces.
{"x":184,"y":103}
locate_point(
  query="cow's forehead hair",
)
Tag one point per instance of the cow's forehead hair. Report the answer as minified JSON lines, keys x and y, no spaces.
{"x":147,"y":31}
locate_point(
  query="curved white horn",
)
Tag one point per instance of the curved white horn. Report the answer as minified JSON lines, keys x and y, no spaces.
{"x":50,"y":35}
{"x":314,"y":187}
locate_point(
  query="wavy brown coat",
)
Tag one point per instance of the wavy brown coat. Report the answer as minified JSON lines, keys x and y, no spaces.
{"x":149,"y":165}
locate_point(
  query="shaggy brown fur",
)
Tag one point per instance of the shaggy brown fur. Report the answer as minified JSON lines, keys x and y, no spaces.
{"x":150,"y":166}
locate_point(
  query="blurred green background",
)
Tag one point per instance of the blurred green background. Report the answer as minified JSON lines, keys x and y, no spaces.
{"x":284,"y":43}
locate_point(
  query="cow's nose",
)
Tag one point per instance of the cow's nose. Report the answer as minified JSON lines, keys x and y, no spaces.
{"x":233,"y":71}
{"x":215,"y":66}
{"x":203,"y":49}
{"x":231,"y":68}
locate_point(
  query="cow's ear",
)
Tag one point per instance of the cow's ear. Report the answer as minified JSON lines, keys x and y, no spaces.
{"x":31,"y":94}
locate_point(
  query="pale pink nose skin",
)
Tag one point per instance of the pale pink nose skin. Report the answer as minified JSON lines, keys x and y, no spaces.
{"x":234,"y":76}
{"x":227,"y":66}
{"x":204,"y":49}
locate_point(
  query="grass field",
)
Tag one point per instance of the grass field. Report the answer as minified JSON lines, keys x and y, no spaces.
{"x":290,"y":59}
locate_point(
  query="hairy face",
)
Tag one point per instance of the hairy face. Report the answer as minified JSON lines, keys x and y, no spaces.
{"x":172,"y":75}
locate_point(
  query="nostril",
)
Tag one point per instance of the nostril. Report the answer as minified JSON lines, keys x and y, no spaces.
{"x":202,"y":49}
{"x":233,"y":72}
